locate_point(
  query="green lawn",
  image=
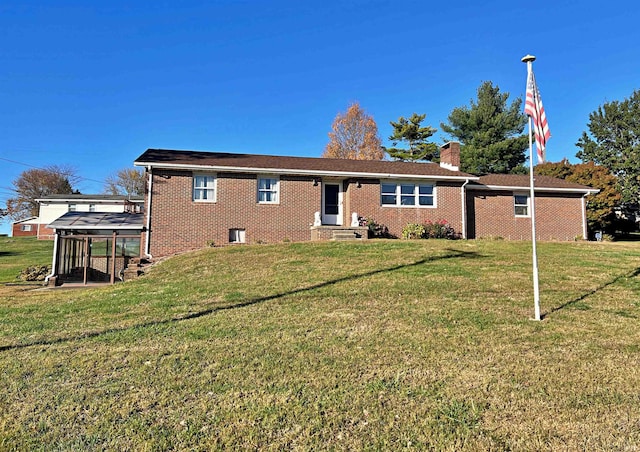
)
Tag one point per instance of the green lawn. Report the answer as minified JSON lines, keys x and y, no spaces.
{"x":18,"y":253}
{"x":379,"y":345}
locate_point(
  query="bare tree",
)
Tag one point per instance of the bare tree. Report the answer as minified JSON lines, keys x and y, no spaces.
{"x":127,"y":181}
{"x":38,"y":183}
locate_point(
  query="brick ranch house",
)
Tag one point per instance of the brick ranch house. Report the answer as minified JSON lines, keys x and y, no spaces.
{"x":198,"y":198}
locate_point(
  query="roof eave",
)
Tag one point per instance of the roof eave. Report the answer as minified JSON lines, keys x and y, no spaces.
{"x":96,"y":200}
{"x":321,"y":173}
{"x":92,"y":228}
{"x":588,"y":191}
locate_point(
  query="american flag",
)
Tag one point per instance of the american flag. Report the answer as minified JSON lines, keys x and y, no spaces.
{"x":533,"y":107}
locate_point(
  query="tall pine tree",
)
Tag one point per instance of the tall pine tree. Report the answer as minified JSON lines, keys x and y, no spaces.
{"x":613,"y":141}
{"x":415,"y":136}
{"x":490,"y":133}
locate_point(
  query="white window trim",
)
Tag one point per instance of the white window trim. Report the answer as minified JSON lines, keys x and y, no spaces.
{"x":416,"y":194}
{"x":528,"y":205}
{"x":277,"y":188}
{"x":214,"y":188}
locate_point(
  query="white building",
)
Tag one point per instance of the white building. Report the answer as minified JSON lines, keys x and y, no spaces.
{"x":53,"y":207}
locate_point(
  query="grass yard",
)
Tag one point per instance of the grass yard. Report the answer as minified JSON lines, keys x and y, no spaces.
{"x":379,"y":345}
{"x":18,"y":253}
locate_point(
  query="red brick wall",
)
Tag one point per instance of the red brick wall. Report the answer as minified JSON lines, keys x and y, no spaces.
{"x":41,"y":230}
{"x":16,"y":230}
{"x":491,"y":214}
{"x":45,"y":233}
{"x":180,"y":224}
{"x":366,"y":202}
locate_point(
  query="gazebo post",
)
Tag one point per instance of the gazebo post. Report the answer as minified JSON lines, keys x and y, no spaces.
{"x":86,"y":260}
{"x":113,"y":258}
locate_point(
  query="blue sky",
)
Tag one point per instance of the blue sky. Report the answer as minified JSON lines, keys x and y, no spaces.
{"x":93,"y":84}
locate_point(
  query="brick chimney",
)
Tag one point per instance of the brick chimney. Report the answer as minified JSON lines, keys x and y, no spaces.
{"x":450,"y":156}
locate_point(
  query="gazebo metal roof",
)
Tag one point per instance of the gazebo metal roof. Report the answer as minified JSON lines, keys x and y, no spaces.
{"x":98,"y":220}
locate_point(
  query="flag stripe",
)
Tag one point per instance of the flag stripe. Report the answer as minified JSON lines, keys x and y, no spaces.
{"x":533,"y":107}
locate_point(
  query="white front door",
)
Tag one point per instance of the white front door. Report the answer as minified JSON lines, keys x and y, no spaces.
{"x":332,"y":203}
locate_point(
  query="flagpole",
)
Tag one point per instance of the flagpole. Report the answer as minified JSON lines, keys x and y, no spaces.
{"x":529,"y":59}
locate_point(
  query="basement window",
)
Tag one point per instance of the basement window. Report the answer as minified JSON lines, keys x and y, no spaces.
{"x":237,"y":236}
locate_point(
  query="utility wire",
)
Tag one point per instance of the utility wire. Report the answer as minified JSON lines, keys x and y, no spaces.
{"x":40,"y":168}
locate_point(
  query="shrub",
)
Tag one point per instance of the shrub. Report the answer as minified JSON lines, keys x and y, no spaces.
{"x":439,"y":229}
{"x":375,"y":230}
{"x":430,"y":230}
{"x":34,"y":273}
{"x":413,"y":231}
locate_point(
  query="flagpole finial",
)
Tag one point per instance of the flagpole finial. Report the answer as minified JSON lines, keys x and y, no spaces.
{"x":528,"y":58}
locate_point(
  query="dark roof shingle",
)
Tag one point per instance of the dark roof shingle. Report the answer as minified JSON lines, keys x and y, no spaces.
{"x":518,"y":180}
{"x":306,"y":165}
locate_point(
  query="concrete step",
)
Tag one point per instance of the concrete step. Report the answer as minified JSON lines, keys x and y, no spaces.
{"x":345,"y":235}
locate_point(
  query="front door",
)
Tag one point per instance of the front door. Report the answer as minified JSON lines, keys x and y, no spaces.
{"x":332,"y":203}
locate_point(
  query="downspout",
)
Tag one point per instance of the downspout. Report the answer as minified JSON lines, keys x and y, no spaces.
{"x":463,"y":195}
{"x":56,"y":238}
{"x":148,"y":225}
{"x":584,"y":217}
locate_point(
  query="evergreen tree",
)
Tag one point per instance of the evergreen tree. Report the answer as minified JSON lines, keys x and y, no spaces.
{"x":410,"y":132}
{"x":614,"y":142}
{"x":490,"y":133}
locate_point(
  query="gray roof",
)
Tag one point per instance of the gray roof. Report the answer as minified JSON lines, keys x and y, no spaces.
{"x":83,"y":197}
{"x":98,"y":220}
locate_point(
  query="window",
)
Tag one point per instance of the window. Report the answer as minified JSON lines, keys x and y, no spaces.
{"x":92,"y":207}
{"x":237,"y":236}
{"x":425,"y":195}
{"x":389,"y":194}
{"x":204,"y":188}
{"x":26,"y":228}
{"x":521,"y":205}
{"x":72,"y":207}
{"x":407,"y":194}
{"x":268,"y":190}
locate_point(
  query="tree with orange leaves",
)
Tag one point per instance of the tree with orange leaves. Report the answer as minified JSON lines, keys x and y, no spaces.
{"x":354,"y":136}
{"x":601,"y":207}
